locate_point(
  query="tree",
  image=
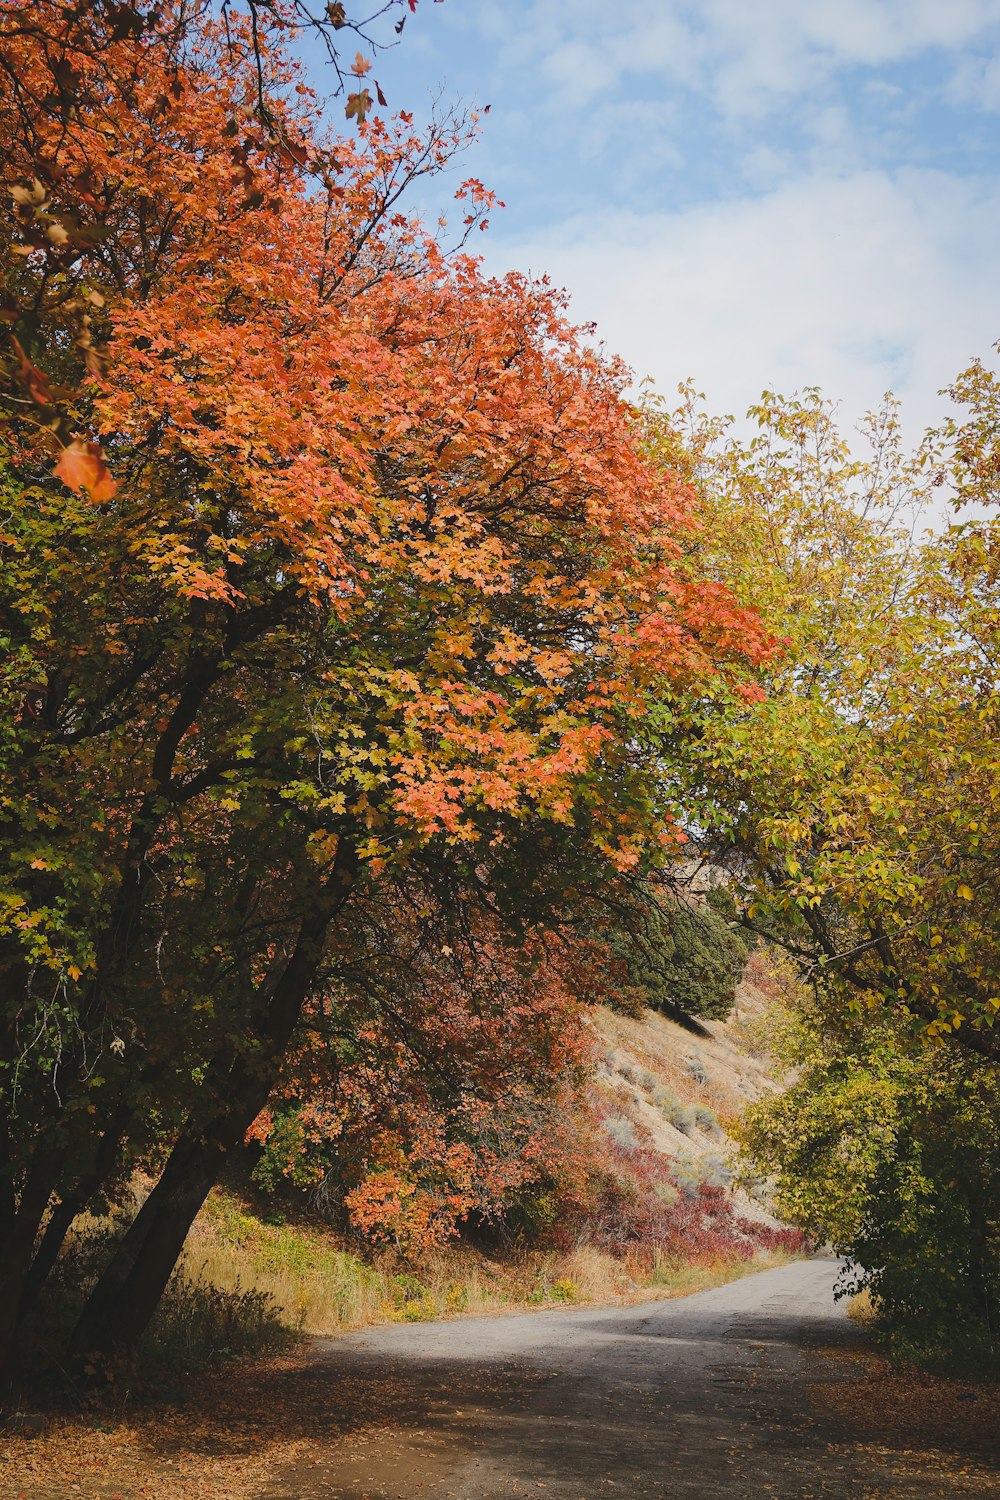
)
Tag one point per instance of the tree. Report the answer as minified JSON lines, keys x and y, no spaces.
{"x":677,"y":952}
{"x":852,"y":808}
{"x":64,"y":63}
{"x":851,"y":800}
{"x":353,"y":568}
{"x":889,"y":1152}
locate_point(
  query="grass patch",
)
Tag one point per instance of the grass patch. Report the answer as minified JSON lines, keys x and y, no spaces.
{"x":317,"y":1286}
{"x":862,"y":1309}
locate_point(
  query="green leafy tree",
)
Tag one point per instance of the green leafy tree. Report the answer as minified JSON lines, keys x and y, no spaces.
{"x":854,"y":807}
{"x":853,"y":802}
{"x":889,"y":1151}
{"x":680,"y":954}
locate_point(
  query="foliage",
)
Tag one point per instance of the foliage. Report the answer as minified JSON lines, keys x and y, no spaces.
{"x":443,"y":1092}
{"x":675,"y":952}
{"x":890,"y":1153}
{"x":335,"y":583}
{"x":852,"y":800}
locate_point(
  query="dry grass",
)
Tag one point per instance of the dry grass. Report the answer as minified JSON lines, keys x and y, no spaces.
{"x":863,"y":1309}
{"x":319,"y":1287}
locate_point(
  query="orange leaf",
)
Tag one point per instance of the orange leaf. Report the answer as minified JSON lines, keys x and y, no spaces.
{"x":81,"y":466}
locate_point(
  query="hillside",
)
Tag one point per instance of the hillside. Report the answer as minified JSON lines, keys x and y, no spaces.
{"x":666,"y":1218}
{"x":678,"y":1089}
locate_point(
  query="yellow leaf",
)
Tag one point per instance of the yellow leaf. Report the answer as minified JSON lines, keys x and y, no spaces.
{"x":966,"y":893}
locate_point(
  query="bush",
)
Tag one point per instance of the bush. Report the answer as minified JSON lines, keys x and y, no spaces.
{"x":684,"y":959}
{"x":197,"y":1323}
{"x":716,"y":1171}
{"x":622,"y":1132}
{"x":695,"y":1065}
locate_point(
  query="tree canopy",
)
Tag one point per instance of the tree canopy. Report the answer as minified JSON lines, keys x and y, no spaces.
{"x":854,"y":808}
{"x":347,"y":577}
{"x":375,"y":675}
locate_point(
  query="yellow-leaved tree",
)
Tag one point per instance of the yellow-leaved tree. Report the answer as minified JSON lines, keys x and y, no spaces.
{"x":855,"y":810}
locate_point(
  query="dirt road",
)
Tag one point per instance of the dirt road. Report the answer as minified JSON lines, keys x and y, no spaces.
{"x":713,"y":1395}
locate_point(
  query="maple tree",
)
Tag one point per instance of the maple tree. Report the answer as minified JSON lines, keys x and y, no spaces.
{"x":443,"y":1086}
{"x":347,"y":564}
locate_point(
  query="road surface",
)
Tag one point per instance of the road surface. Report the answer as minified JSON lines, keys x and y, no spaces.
{"x":707,"y":1396}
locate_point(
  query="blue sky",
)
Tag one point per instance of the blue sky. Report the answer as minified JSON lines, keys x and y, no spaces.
{"x":771,"y":194}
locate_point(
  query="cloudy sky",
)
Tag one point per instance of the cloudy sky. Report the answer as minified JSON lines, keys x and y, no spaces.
{"x":777,"y":194}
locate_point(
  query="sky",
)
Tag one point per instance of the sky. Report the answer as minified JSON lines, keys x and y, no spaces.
{"x":776,"y":194}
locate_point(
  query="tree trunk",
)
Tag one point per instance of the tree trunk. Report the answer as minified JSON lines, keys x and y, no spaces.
{"x":17,"y":1251}
{"x":106,"y":1155}
{"x":113,"y":1316}
{"x":8,"y":1198}
{"x":126,"y":1296}
{"x":47,"y":1253}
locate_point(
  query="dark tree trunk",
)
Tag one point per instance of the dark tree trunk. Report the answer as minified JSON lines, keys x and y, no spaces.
{"x":8,"y":1198}
{"x":127,"y":1293}
{"x":126,"y":1296}
{"x":18,"y":1248}
{"x":47,"y":1253}
{"x":107,"y":1152}
{"x":107,"y":1321}
{"x":13,"y":981}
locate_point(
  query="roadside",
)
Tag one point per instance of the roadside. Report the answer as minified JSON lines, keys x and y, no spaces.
{"x":761,"y":1389}
{"x":243,"y":1420}
{"x":940,"y":1431}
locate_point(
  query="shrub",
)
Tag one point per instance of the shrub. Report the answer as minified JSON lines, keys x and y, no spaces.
{"x":716,"y":1171}
{"x":197,"y":1323}
{"x":622,"y":1132}
{"x":683,"y":957}
{"x":695,"y":1065}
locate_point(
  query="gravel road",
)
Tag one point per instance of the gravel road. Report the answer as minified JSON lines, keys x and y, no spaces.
{"x":710,"y":1395}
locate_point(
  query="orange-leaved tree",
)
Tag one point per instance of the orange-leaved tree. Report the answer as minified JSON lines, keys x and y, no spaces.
{"x":352,"y":566}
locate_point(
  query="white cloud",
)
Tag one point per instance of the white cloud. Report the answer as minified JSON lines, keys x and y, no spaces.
{"x":747,"y":57}
{"x":975,"y":82}
{"x":857,"y":284}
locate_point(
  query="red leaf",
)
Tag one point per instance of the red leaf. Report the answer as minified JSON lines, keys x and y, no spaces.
{"x":35,"y":381}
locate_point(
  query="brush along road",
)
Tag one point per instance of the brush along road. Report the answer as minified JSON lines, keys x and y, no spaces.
{"x":710,"y":1395}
